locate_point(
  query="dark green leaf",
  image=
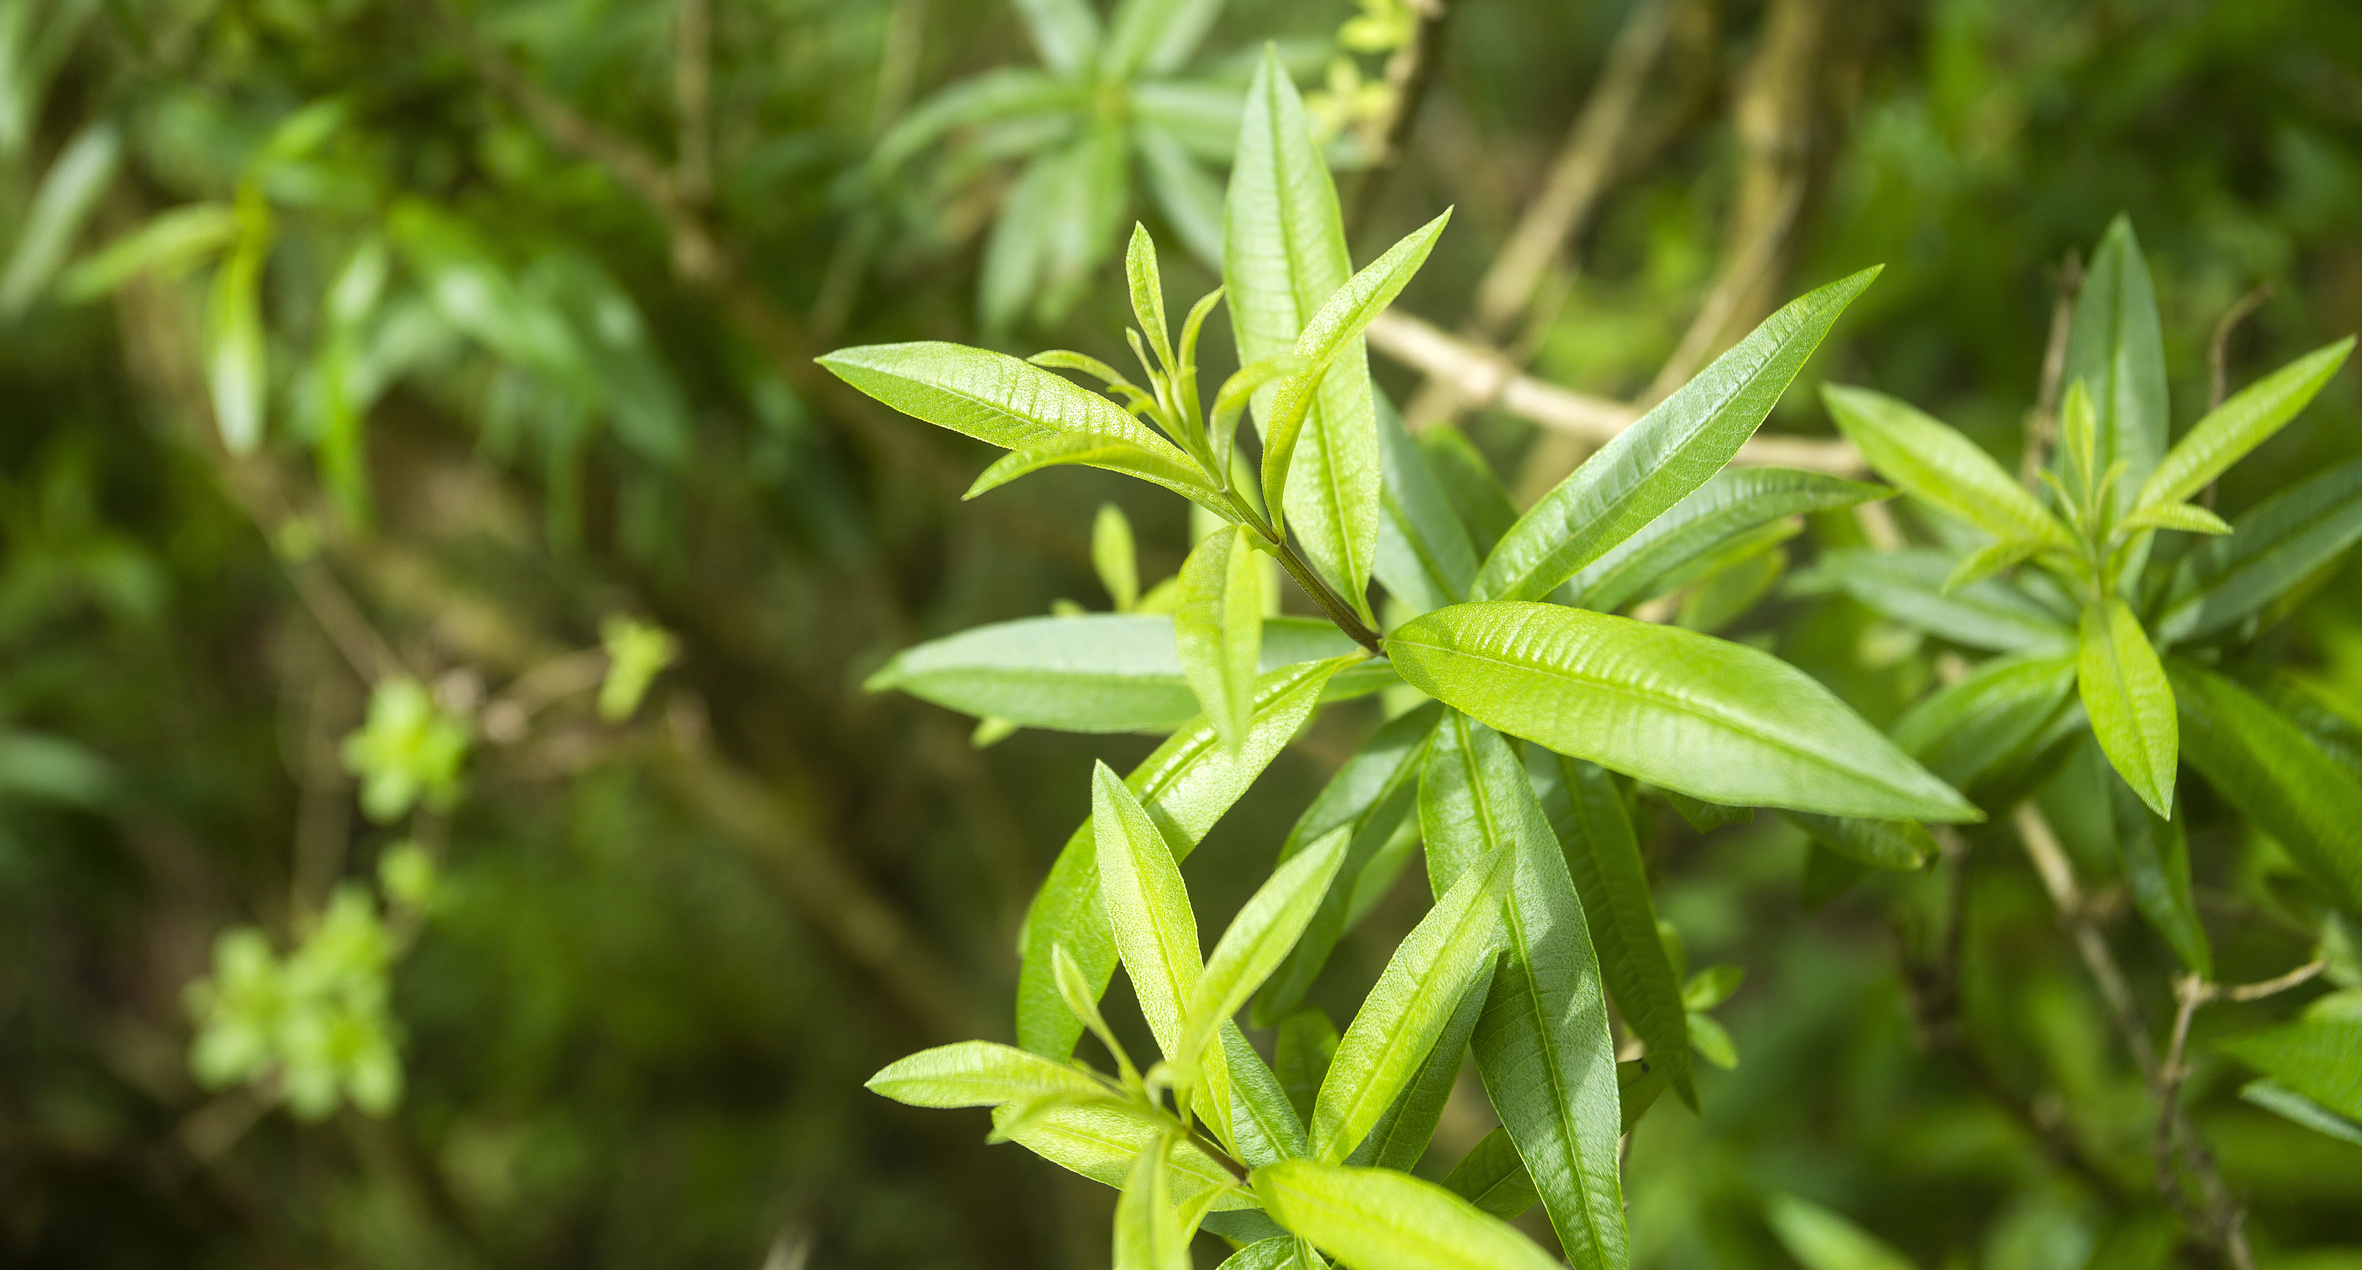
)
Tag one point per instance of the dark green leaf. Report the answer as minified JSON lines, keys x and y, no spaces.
{"x":1424,"y":556}
{"x":1401,"y":1135}
{"x":2267,"y":768}
{"x":2319,"y":1056}
{"x":1686,"y":712}
{"x":1301,"y":1054}
{"x":1371,"y":794}
{"x":2275,"y":546}
{"x":1909,"y":586}
{"x":1991,"y":721}
{"x":1469,"y":486}
{"x":1491,"y":1177}
{"x":1881,"y":844}
{"x":1672,"y":450}
{"x":2115,"y":348}
{"x":1603,"y":854}
{"x":1822,"y":1240}
{"x":1735,"y":501}
{"x":2155,"y":853}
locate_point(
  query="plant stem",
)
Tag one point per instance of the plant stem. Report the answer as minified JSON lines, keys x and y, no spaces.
{"x":1218,"y":1155}
{"x":1331,"y":604}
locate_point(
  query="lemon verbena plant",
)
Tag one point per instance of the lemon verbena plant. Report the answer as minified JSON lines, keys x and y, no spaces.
{"x":1530,"y":717}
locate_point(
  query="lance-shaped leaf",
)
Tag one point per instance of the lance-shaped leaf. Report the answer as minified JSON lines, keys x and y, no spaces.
{"x":2319,"y":1056}
{"x":1283,"y":256}
{"x":1939,"y":466}
{"x":1260,"y":936}
{"x":1264,"y":1125}
{"x":2155,"y":853}
{"x":978,"y":1074}
{"x":1594,"y":829}
{"x":1042,"y":417}
{"x":1672,"y":450}
{"x":1099,"y":672}
{"x":1910,"y":586}
{"x":1334,"y":330}
{"x":1148,"y":1233}
{"x":2129,"y":701}
{"x":1543,"y":1045}
{"x":69,"y":190}
{"x":1469,"y":486}
{"x":1408,"y":1009}
{"x":1285,"y":1252}
{"x":2282,"y":1101}
{"x":2239,"y":425}
{"x":1184,"y":786}
{"x":1156,"y":36}
{"x":2267,"y":768}
{"x":1148,"y":906}
{"x":2275,"y":546}
{"x":1102,"y":1141}
{"x":1424,"y":555}
{"x":1822,"y":1240}
{"x":237,"y":363}
{"x":1218,"y":628}
{"x":1065,"y":32}
{"x":1881,"y":844}
{"x":1735,"y":502}
{"x":1493,"y":1178}
{"x":2116,"y":349}
{"x":1714,"y":720}
{"x":1009,"y":92}
{"x":1987,"y":723}
{"x":1401,"y":1135}
{"x":1378,"y":1219}
{"x":1370,"y":795}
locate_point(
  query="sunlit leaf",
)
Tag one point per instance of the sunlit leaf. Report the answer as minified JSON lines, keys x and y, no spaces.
{"x":2129,"y":702}
{"x":1733,"y":502}
{"x":1147,"y":906}
{"x":1378,"y":1219}
{"x":1218,"y":628}
{"x":1939,"y":466}
{"x":978,"y":1074}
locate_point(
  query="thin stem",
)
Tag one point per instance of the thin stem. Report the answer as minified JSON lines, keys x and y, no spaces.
{"x":1332,"y":605}
{"x":1220,"y":1156}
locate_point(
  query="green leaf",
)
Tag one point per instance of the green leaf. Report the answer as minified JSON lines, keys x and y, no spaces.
{"x":1263,"y":1121}
{"x":1102,"y":1141}
{"x":1147,"y":287}
{"x":2282,"y":1101}
{"x":1184,"y":786}
{"x":235,"y":364}
{"x":1989,"y":561}
{"x":1401,"y":1135}
{"x":1469,"y":486}
{"x":1711,"y":1042}
{"x":1424,"y":556}
{"x":2276,"y":545}
{"x":1594,"y":829}
{"x":1188,"y":195}
{"x":2267,"y":768}
{"x":1148,"y":1233}
{"x":1065,"y":32}
{"x":2155,"y":853}
{"x":1704,"y":817}
{"x":1822,"y":1240}
{"x":1687,"y":712}
{"x":1370,"y":795}
{"x":1491,"y":1177}
{"x":978,"y":1074}
{"x":1909,"y":586}
{"x":1201,"y":115}
{"x":1939,"y":466}
{"x":1378,"y":1219}
{"x":1725,"y":595}
{"x":2116,"y":349}
{"x":1987,"y":724}
{"x":1543,"y":1045}
{"x":1147,"y":906}
{"x":1098,"y":672}
{"x":1009,"y":92}
{"x":1407,"y":1009}
{"x":1260,"y":936}
{"x":62,"y":204}
{"x":1115,"y":558}
{"x":1881,"y":844}
{"x":168,"y":243}
{"x":1733,"y":502}
{"x":1672,"y":450}
{"x":2319,"y":1056}
{"x":1283,"y":256}
{"x":1301,"y":1054}
{"x":2188,"y":518}
{"x":1010,"y":403}
{"x":1335,"y":330}
{"x":1156,"y":36}
{"x":1218,"y":628}
{"x":1266,"y":1254}
{"x":2239,"y":425}
{"x":2129,"y":701}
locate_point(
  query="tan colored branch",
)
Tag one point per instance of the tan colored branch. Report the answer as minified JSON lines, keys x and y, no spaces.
{"x":1486,"y":379}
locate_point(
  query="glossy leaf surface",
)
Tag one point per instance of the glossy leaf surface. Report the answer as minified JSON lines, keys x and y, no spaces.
{"x":1378,"y":1219}
{"x":1735,"y":501}
{"x":1939,"y":466}
{"x":1218,"y":629}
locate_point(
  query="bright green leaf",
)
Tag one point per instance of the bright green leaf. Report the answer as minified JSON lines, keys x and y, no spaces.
{"x":2129,"y":701}
{"x":1218,"y":628}
{"x":1147,"y":906}
{"x":1987,"y":724}
{"x":1378,"y":1219}
{"x":2116,"y":349}
{"x":61,"y":205}
{"x":1260,"y":936}
{"x":978,"y":1074}
{"x":1939,"y":466}
{"x":1148,"y":1233}
{"x":1733,"y":502}
{"x":2239,"y":425}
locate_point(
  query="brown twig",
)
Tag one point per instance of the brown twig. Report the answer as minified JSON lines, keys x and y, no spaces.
{"x":2218,"y":348}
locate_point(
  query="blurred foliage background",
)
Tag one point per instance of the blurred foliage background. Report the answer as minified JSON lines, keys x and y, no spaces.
{"x":463,"y":346}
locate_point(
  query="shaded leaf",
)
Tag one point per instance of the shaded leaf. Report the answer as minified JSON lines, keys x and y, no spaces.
{"x":2276,"y":545}
{"x":1984,"y":725}
{"x":2267,"y":768}
{"x":61,"y":205}
{"x":2318,"y":1056}
{"x":1822,"y":1240}
{"x":1881,"y":844}
{"x":1734,"y":501}
{"x":1425,"y":558}
{"x":2116,"y":349}
{"x":2155,"y":853}
{"x":1910,"y":586}
{"x":1260,"y":936}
